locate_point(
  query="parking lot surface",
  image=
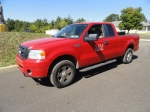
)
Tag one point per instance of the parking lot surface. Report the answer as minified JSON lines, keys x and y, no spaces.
{"x":111,"y":88}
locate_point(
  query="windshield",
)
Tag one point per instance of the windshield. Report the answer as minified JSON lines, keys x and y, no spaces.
{"x":71,"y":31}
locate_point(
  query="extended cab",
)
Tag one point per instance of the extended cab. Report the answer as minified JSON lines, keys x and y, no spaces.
{"x":74,"y":47}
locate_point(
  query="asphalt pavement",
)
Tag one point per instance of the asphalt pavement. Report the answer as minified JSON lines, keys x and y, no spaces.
{"x":111,"y":88}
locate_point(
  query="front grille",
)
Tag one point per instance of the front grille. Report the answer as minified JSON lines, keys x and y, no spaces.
{"x":23,"y":52}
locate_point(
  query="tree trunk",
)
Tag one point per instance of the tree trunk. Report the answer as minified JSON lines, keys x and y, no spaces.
{"x":128,"y":31}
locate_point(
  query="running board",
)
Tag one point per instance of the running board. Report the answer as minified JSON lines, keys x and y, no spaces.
{"x":97,"y":65}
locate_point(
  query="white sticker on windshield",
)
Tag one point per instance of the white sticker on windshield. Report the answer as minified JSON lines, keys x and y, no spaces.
{"x":75,"y":36}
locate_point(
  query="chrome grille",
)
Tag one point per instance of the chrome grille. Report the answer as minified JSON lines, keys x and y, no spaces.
{"x":23,"y":52}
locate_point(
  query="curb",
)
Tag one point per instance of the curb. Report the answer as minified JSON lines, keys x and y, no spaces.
{"x":144,"y":39}
{"x":8,"y":68}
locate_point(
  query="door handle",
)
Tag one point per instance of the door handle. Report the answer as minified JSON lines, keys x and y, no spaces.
{"x":106,"y":42}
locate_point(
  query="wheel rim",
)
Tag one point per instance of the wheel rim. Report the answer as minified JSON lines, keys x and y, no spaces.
{"x":129,"y":56}
{"x":64,"y":74}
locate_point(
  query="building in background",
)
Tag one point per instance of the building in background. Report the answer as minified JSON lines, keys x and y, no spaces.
{"x":52,"y":31}
{"x":145,"y":29}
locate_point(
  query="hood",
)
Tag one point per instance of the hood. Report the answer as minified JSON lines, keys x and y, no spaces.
{"x":41,"y":42}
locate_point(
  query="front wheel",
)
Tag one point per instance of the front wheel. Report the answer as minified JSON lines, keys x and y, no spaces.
{"x":62,"y":73}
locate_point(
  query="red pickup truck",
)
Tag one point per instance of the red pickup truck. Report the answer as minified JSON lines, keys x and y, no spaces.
{"x":76,"y":46}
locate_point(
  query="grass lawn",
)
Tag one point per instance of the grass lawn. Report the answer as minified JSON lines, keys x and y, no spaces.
{"x":9,"y":42}
{"x":145,"y":36}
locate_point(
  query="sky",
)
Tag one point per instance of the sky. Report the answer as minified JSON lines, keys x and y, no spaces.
{"x":90,"y":10}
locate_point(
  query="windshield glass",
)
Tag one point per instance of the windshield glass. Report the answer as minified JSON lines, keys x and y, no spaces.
{"x":71,"y":31}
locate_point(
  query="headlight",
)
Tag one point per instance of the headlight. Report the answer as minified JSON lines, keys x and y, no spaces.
{"x":36,"y":54}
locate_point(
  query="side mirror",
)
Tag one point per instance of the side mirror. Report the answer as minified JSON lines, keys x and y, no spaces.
{"x":91,"y":37}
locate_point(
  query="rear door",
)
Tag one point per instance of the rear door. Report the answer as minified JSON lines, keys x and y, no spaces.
{"x":110,"y":41}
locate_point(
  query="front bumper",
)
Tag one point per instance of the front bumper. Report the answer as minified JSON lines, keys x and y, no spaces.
{"x":33,"y":68}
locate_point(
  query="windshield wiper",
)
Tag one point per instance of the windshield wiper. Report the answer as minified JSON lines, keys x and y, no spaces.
{"x":61,"y":37}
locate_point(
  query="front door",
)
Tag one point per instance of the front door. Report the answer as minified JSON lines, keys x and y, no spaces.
{"x":97,"y":51}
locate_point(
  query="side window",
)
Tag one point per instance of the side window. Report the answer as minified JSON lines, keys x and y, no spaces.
{"x":110,"y":30}
{"x":96,"y":29}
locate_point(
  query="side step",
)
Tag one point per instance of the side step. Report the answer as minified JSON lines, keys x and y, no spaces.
{"x":97,"y":65}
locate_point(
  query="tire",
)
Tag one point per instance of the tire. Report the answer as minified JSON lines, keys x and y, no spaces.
{"x":63,"y":73}
{"x":127,"y":58}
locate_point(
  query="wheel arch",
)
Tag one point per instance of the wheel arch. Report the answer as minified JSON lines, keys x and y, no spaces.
{"x":64,"y":57}
{"x":131,"y":45}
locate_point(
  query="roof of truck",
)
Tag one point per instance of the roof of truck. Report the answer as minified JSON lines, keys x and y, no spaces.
{"x":94,"y":23}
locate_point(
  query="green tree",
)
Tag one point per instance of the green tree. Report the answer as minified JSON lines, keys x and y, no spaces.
{"x":33,"y":27}
{"x":131,"y":18}
{"x":43,"y":29}
{"x":45,"y":22}
{"x":38,"y":24}
{"x":111,"y":18}
{"x":26,"y":24}
{"x":144,"y":18}
{"x":63,"y":23}
{"x":18,"y":25}
{"x":57,"y":23}
{"x":80,"y":20}
{"x":10,"y":24}
{"x":52,"y":23}
{"x":69,"y":20}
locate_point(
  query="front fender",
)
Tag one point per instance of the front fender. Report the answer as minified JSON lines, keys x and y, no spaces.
{"x":57,"y":52}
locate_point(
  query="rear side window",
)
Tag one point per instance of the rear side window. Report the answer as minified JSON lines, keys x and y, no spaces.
{"x":110,"y":30}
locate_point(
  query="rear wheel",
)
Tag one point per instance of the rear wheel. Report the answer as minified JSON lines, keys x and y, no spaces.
{"x":62,"y":73}
{"x":127,"y":58}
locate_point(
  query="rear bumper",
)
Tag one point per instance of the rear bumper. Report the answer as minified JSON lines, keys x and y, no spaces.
{"x":33,"y":68}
